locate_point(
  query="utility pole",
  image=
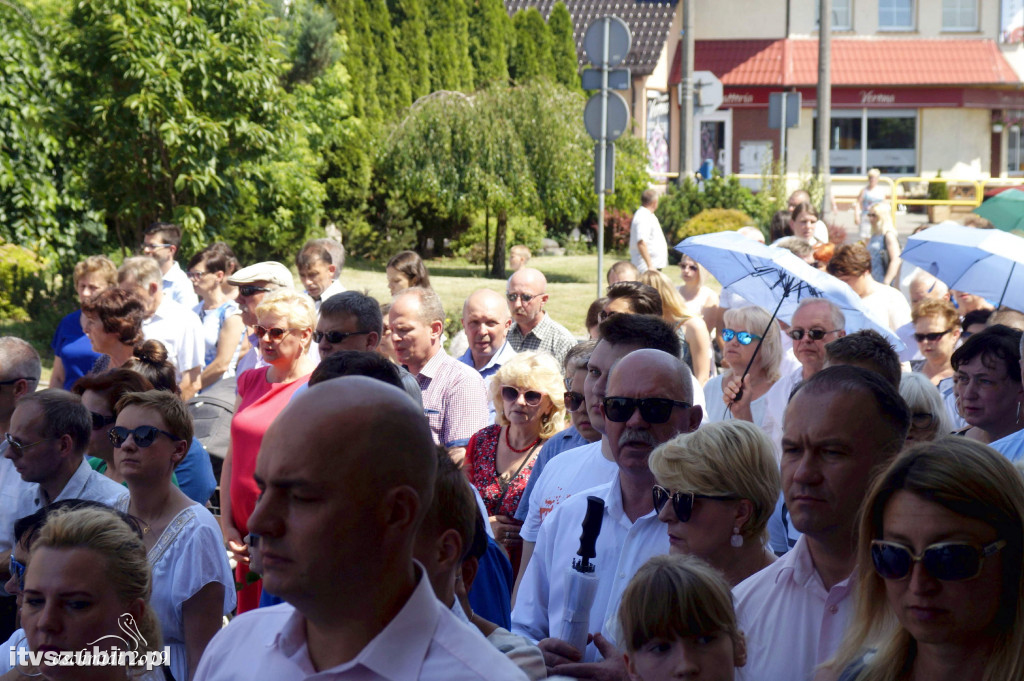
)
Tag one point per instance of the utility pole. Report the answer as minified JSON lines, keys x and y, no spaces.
{"x":686,"y":168}
{"x":824,"y":104}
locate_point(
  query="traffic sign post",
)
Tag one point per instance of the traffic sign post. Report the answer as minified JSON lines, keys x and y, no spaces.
{"x":606,"y":43}
{"x":783,"y":113}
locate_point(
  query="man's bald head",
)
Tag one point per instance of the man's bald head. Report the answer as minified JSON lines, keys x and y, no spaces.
{"x":527,"y":293}
{"x":530,"y":276}
{"x":486,"y":299}
{"x":486,"y":319}
{"x":672,"y":374}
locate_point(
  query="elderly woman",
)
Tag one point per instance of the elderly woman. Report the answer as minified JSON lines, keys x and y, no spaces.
{"x":527,"y":392}
{"x":987,"y":384}
{"x":112,"y":320}
{"x":939,"y":593}
{"x":883,"y":245}
{"x":284,"y":327}
{"x":929,"y":418}
{"x":223,"y":330}
{"x":406,"y":270}
{"x":723,"y":482}
{"x":192,"y":584}
{"x":100,"y":393}
{"x":691,"y":327}
{"x":73,"y":354}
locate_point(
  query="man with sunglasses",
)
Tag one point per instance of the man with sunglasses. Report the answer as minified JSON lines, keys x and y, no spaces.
{"x":161,"y":242}
{"x":648,"y":401}
{"x":534,"y":329}
{"x":254,"y":283}
{"x":842,"y":426}
{"x":816,"y":322}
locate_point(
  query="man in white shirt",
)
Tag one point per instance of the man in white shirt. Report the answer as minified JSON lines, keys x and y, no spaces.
{"x":841,"y":427}
{"x":647,"y":247}
{"x":338,"y":515}
{"x":171,"y":323}
{"x":649,"y":401}
{"x":319,"y":264}
{"x":161,"y":243}
{"x":815,"y":323}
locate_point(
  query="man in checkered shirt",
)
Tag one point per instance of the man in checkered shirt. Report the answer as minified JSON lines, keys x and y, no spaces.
{"x":533,"y":328}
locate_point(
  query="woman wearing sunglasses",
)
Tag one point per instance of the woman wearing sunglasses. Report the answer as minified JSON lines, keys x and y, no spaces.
{"x":284,"y":329}
{"x":717,"y":488}
{"x":527,"y":392}
{"x":937,"y":331}
{"x":939,"y":564}
{"x":100,"y":393}
{"x":929,"y":418}
{"x":192,"y":583}
{"x":696,"y":295}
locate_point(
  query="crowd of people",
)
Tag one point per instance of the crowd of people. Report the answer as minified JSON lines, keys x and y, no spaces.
{"x":758,"y":498}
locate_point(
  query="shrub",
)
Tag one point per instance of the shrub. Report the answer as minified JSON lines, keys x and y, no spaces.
{"x":522,"y":229}
{"x":710,"y":221}
{"x":21,"y":282}
{"x":938,"y":191}
{"x":680,"y":203}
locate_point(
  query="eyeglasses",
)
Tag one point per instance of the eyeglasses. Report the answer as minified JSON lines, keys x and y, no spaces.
{"x":275,"y":333}
{"x":922,"y":420}
{"x":526,"y":297}
{"x":922,"y":337}
{"x":573,"y":400}
{"x":682,"y":502}
{"x":17,"y":570}
{"x":196,"y":274}
{"x":333,"y":337}
{"x":652,"y":409}
{"x":510,"y":393}
{"x":153,"y":247}
{"x":946,"y":561}
{"x":99,"y":420}
{"x":743,"y":337}
{"x":247,"y":290}
{"x":813,"y":334}
{"x":19,"y":447}
{"x":143,"y":435}
{"x":688,"y":267}
{"x":12,"y":381}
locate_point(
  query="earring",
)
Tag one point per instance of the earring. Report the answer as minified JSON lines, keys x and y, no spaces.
{"x":736,"y":540}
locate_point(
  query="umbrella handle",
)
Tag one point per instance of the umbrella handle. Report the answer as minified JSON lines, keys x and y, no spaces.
{"x":757,"y":348}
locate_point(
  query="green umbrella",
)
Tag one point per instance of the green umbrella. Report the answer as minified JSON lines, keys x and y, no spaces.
{"x":1005,"y":210}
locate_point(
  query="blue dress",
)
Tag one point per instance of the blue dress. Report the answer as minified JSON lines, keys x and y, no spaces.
{"x":74,"y":348}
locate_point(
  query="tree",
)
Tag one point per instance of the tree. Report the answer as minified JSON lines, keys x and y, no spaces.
{"x":563,"y":47}
{"x":360,"y":57}
{"x":531,"y":56}
{"x":391,"y":74}
{"x":448,"y":35}
{"x":410,"y":28}
{"x":489,"y":32}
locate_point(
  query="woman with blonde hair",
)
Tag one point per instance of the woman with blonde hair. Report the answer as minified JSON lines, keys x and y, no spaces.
{"x":73,"y":354}
{"x":528,"y":395}
{"x":939,"y":560}
{"x":723,"y":482}
{"x":691,"y":328}
{"x":883,"y":245}
{"x":284,"y":328}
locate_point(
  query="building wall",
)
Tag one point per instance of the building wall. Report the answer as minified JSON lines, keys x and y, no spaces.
{"x":956,"y":141}
{"x":927,"y":20}
{"x":739,"y":19}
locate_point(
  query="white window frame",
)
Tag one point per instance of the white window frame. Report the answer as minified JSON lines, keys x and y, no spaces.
{"x":864,"y":157}
{"x":1014,"y":151}
{"x":842,"y":15}
{"x":958,"y":7}
{"x":883,"y":5}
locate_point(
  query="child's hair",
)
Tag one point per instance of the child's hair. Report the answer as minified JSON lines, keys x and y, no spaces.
{"x":672,"y":597}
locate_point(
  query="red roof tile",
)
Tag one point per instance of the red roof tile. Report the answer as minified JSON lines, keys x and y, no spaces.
{"x":794,"y":62}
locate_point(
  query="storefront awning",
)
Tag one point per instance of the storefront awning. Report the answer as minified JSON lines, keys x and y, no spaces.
{"x":855,"y":63}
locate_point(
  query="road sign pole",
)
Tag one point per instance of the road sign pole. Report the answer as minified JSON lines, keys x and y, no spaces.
{"x":602,"y":180}
{"x":782,"y":137}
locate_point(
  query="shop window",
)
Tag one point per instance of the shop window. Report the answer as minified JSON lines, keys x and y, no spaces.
{"x":842,"y":16}
{"x":959,"y":15}
{"x":860,"y":139}
{"x":1015,"y":151}
{"x":896,"y":15}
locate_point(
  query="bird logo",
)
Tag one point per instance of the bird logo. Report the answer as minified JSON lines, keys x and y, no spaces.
{"x":126,"y":623}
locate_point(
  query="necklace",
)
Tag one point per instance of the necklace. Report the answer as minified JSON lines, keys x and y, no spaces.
{"x":524,"y":449}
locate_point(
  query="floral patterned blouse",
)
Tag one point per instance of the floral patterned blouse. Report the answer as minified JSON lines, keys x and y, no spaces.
{"x":501,"y":497}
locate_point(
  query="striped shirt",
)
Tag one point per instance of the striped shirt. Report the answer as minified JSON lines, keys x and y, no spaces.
{"x":454,"y":399}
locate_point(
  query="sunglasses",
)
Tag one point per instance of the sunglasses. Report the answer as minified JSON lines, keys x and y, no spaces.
{"x":510,"y":393}
{"x":946,"y":562}
{"x":922,"y":420}
{"x":247,"y":290}
{"x":19,"y":447}
{"x":652,"y":409}
{"x":153,"y":247}
{"x":573,"y":400}
{"x":12,"y":381}
{"x":813,"y":334}
{"x":275,"y":334}
{"x":743,"y":337}
{"x":688,"y":267}
{"x":525,"y":297}
{"x":922,"y":337}
{"x":195,"y":274}
{"x":682,"y":502}
{"x":17,"y":570}
{"x":144,"y":435}
{"x":99,"y":420}
{"x":333,"y":337}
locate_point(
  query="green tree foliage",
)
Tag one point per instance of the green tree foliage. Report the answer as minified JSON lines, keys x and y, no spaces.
{"x":448,"y":35}
{"x":409,"y":23}
{"x":530,"y":56}
{"x":563,"y":47}
{"x":709,"y":221}
{"x":360,"y":58}
{"x":391,"y":79}
{"x":490,"y":30}
{"x":682,"y":202}
{"x":311,"y":39}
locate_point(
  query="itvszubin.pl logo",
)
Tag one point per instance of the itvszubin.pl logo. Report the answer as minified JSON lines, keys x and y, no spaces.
{"x":122,"y":652}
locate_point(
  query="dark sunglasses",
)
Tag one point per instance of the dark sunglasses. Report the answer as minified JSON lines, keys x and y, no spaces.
{"x":17,"y":570}
{"x":12,"y":381}
{"x":526,"y":297}
{"x":144,"y":435}
{"x":334,"y":337}
{"x":247,"y":290}
{"x":682,"y":502}
{"x":743,"y":337}
{"x":652,"y":409}
{"x":922,"y":337}
{"x":813,"y":334}
{"x":275,"y":334}
{"x":573,"y":400}
{"x":947,"y":561}
{"x":922,"y":420}
{"x":510,"y":393}
{"x":99,"y":420}
{"x":20,"y":447}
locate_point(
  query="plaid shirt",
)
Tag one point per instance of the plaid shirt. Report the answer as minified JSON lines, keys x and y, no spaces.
{"x":549,"y":336}
{"x":454,"y":399}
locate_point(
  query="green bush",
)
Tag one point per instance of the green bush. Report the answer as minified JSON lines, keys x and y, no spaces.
{"x":710,"y":221}
{"x":21,"y":282}
{"x":526,"y":230}
{"x":938,"y":191}
{"x":682,"y":202}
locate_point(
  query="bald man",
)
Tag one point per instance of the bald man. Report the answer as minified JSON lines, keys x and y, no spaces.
{"x":486,"y":319}
{"x":533,"y":328}
{"x":338,"y":514}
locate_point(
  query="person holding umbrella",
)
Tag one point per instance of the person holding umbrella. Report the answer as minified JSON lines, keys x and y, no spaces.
{"x":987,"y":380}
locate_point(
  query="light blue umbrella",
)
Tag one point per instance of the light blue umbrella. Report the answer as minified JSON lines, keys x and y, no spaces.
{"x":986,"y":262}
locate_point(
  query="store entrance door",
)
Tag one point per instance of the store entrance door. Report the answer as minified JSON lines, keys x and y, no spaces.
{"x":712,"y":139}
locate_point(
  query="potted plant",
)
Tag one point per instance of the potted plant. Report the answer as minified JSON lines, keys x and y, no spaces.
{"x":938,"y":191}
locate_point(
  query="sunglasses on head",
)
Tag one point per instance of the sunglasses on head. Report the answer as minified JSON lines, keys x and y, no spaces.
{"x":99,"y":420}
{"x":144,"y":435}
{"x":17,"y":570}
{"x":573,"y":400}
{"x":743,"y":337}
{"x":275,"y":334}
{"x":249,"y":290}
{"x":510,"y":393}
{"x":682,"y":502}
{"x":525,"y":297}
{"x":652,"y":409}
{"x":813,"y":334}
{"x":334,"y":337}
{"x":947,"y":561}
{"x":922,"y":337}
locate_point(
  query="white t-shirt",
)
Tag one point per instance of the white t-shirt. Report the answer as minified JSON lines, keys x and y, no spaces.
{"x":645,"y":227}
{"x":181,"y":332}
{"x":178,"y":287}
{"x":887,"y":304}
